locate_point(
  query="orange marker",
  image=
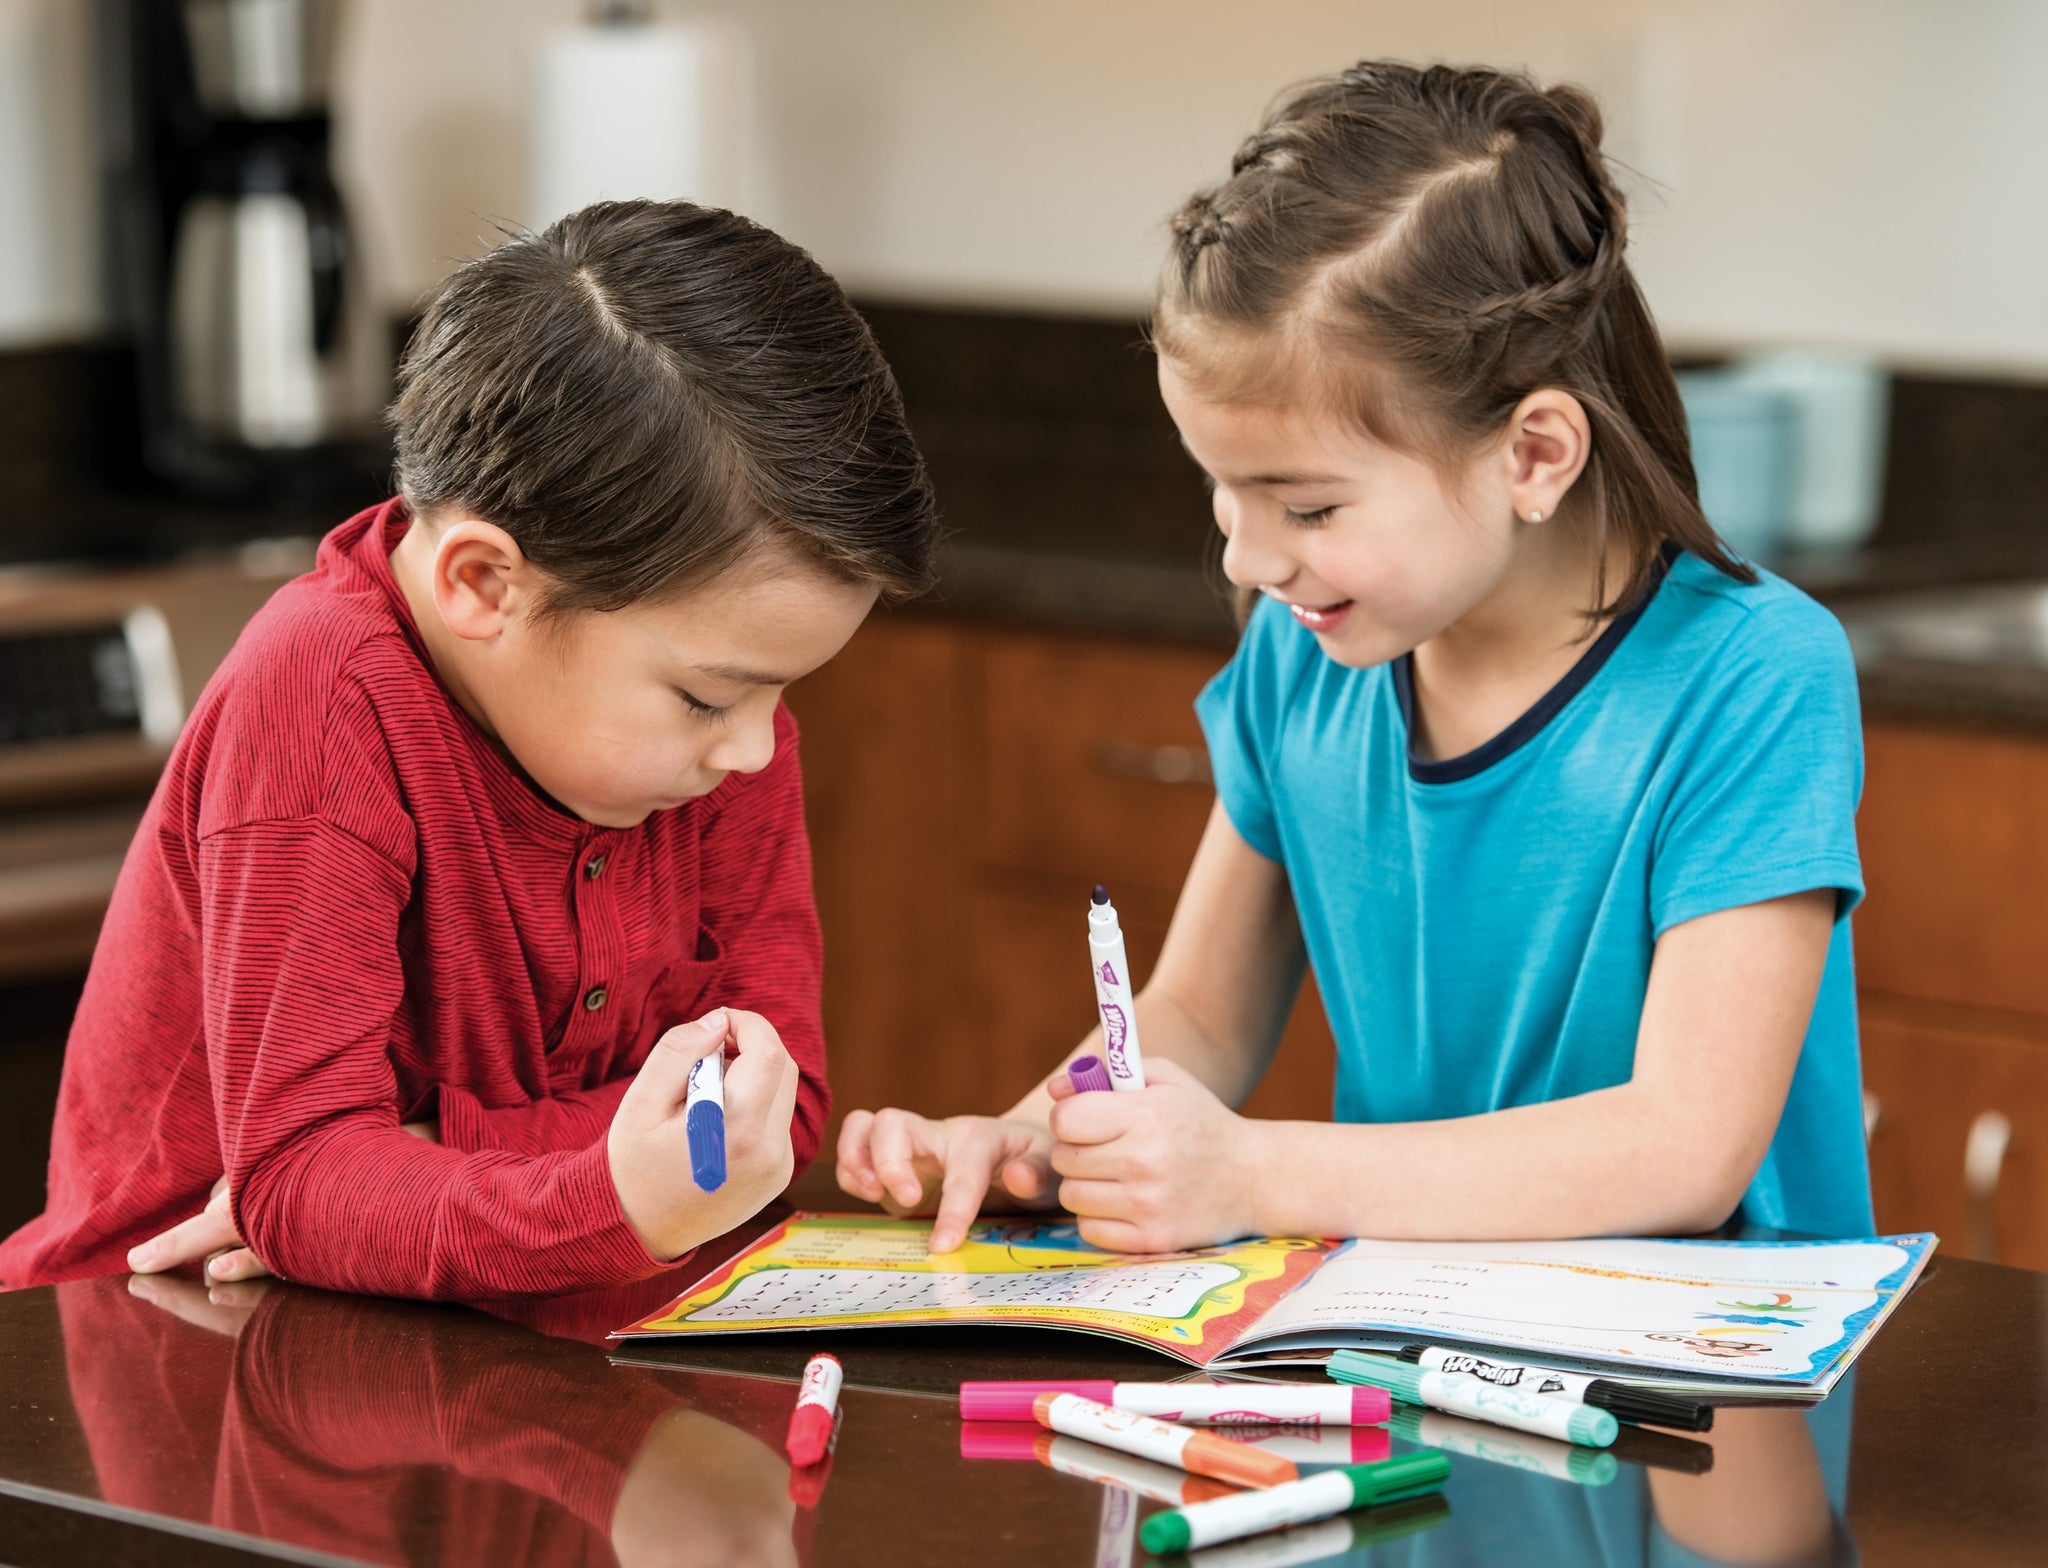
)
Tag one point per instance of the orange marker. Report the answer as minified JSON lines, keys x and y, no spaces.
{"x":1203,"y":1453}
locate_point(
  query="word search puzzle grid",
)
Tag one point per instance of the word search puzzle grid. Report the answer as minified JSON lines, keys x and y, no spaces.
{"x":1159,"y":1290}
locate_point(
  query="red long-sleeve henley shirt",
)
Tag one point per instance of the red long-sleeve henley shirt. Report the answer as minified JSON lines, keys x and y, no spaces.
{"x":346,"y":910}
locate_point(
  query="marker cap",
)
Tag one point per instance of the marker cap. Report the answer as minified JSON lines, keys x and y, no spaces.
{"x":810,"y":1433}
{"x":1370,"y":1406}
{"x":1086,"y":1074}
{"x":704,"y":1127}
{"x":1592,"y":1466}
{"x":1405,"y":1475}
{"x":999,"y":1440}
{"x":1014,"y":1401}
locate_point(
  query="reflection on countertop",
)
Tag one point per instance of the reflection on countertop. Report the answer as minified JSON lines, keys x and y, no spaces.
{"x":297,"y":1424}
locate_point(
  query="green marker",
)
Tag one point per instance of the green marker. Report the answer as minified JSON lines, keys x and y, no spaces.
{"x":1294,"y":1502}
{"x":1462,"y":1394}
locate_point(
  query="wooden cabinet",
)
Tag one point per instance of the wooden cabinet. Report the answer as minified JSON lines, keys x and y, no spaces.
{"x":1952,"y":962}
{"x":967,"y":786}
{"x":1957,"y":1103}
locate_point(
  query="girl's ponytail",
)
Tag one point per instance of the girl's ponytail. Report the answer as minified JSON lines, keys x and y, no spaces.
{"x":1445,"y":242}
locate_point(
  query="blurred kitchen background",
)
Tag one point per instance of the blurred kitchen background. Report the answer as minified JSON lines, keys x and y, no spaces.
{"x":217,"y":218}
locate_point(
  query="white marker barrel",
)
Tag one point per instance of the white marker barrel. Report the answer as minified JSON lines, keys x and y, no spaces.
{"x":1113,"y":997}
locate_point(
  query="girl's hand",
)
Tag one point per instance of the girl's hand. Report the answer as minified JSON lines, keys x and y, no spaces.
{"x":912,"y":1165}
{"x":1163,"y":1170}
{"x":649,"y":1149}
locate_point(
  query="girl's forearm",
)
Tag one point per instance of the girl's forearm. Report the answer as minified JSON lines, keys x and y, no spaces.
{"x":1616,"y":1161}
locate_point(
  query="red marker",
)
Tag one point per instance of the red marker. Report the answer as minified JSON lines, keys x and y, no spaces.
{"x":810,"y":1424}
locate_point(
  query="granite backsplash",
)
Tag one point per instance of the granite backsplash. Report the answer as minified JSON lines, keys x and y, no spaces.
{"x":1046,"y":440}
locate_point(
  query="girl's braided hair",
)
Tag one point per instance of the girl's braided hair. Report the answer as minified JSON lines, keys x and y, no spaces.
{"x":1439,"y":243}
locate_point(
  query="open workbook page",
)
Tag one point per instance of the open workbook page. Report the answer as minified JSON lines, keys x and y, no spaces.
{"x":1772,"y":1318}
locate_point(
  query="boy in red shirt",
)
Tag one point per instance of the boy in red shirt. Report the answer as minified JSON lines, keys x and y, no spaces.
{"x":491,"y":825}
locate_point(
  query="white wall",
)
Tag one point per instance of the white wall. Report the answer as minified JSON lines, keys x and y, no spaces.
{"x":49,"y":235}
{"x":1872,"y":173}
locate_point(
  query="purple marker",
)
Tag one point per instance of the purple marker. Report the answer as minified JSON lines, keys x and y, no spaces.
{"x":1113,"y":994}
{"x":1087,"y":1072}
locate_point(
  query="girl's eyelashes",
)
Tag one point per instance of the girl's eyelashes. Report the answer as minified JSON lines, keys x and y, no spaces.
{"x":1313,"y":519}
{"x":704,"y":710}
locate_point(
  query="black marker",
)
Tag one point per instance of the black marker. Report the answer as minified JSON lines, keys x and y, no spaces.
{"x":1644,"y":1406}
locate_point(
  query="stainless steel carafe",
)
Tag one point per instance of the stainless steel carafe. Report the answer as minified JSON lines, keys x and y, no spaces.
{"x":271,"y":334}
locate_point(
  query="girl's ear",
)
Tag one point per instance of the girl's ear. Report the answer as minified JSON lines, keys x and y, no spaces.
{"x":1549,"y":440}
{"x":482,"y":580}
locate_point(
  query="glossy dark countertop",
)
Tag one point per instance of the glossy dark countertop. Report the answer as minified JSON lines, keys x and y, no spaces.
{"x":155,"y":1423}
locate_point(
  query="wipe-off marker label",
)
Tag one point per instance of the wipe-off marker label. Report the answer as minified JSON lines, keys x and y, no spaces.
{"x":704,"y":1121}
{"x":1204,"y":1453}
{"x":1319,"y":1448}
{"x":1531,"y":1380}
{"x":1116,"y":1531}
{"x":1167,"y":1484}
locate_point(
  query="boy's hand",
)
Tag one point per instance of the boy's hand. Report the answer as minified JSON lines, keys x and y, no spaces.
{"x":211,"y":1234}
{"x":650,"y":1151}
{"x":910,"y":1164}
{"x":1168,"y":1168}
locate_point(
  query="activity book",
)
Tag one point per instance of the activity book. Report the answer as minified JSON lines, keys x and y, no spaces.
{"x":1730,"y":1320}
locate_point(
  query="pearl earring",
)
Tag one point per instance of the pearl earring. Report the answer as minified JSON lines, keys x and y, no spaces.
{"x":1535,"y":517}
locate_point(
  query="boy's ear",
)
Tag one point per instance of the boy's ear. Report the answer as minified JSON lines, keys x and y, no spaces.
{"x":482,"y":580}
{"x":1549,"y":441}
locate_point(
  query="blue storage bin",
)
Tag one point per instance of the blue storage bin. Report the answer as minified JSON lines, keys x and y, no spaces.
{"x":1742,"y":452}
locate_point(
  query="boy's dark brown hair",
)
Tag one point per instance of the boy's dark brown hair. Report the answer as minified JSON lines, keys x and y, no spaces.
{"x":1443,"y":242}
{"x":646,"y":393}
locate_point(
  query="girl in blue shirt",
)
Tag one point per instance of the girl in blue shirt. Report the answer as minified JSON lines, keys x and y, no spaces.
{"x":1555,"y":793}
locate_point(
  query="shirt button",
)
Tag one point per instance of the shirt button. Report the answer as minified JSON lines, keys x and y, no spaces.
{"x":594,"y":867}
{"x":593,"y":999}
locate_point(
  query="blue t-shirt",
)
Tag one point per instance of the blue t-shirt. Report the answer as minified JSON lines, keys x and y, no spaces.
{"x":1482,"y":927}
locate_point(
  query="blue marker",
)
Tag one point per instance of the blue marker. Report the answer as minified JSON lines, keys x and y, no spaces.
{"x":704,"y":1120}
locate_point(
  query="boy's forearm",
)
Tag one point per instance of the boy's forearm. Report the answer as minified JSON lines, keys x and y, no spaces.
{"x":446,"y":1226}
{"x":1616,"y":1161}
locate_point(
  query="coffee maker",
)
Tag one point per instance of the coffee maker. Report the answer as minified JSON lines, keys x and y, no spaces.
{"x":261,"y":364}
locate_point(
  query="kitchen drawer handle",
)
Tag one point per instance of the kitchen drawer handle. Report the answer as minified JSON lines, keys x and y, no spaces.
{"x":1123,"y":759}
{"x":1983,"y":1162}
{"x":1873,"y":1113}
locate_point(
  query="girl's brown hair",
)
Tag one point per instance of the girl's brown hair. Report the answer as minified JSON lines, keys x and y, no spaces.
{"x":647,"y":393}
{"x":1445,"y":241}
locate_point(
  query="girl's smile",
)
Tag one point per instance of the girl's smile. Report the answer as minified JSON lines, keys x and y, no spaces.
{"x":1319,"y":618}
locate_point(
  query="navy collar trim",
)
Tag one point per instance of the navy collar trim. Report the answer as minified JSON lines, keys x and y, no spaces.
{"x":1526,"y":728}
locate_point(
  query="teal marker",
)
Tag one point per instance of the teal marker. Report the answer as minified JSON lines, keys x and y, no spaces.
{"x":1496,"y":1445}
{"x":1462,"y":1394}
{"x":1294,"y":1502}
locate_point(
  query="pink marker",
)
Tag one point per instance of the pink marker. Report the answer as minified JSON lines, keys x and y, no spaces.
{"x":810,"y":1424}
{"x":1298,"y":1405}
